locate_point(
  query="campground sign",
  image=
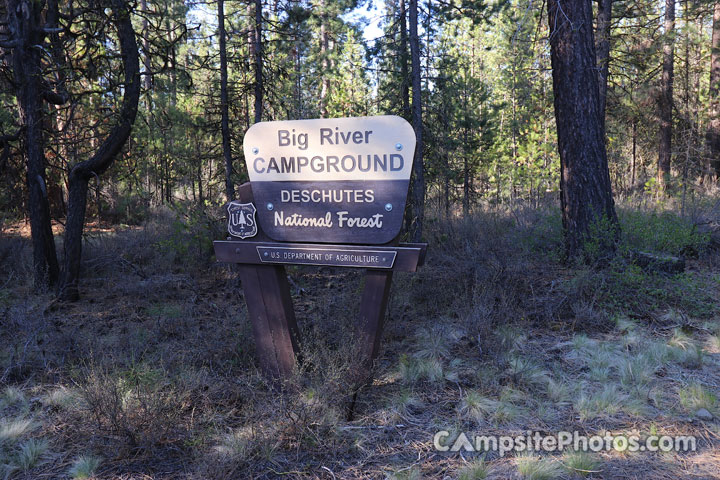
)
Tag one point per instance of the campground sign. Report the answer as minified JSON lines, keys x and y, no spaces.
{"x":341,"y":180}
{"x":326,"y":192}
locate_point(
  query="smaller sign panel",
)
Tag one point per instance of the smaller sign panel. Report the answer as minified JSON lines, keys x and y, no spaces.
{"x":361,"y":258}
{"x":241,"y":219}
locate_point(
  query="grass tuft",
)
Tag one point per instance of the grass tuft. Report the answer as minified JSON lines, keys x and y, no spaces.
{"x":61,"y":397}
{"x":405,"y":403}
{"x":233,"y":446}
{"x":637,"y":371}
{"x":605,"y":403}
{"x":12,"y":430}
{"x":475,"y":470}
{"x":12,"y":396}
{"x":694,"y":397}
{"x":477,"y":406}
{"x":557,"y":390}
{"x":523,"y":370}
{"x":84,"y":467}
{"x":408,"y":473}
{"x":531,"y":467}
{"x":581,"y":463}
{"x":433,"y":344}
{"x":413,"y":370}
{"x":30,"y":454}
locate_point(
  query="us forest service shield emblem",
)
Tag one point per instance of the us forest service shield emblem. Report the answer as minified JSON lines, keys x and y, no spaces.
{"x":241,"y":219}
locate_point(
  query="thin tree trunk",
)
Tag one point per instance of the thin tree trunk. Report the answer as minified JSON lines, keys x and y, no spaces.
{"x":82,"y":172}
{"x":324,"y":47}
{"x":602,"y":36}
{"x":634,"y":154}
{"x":25,"y":25}
{"x":585,"y":190}
{"x":713,"y":135}
{"x":466,"y":186}
{"x":225,"y":120}
{"x":405,"y":76}
{"x":147,"y":77}
{"x":689,"y":127}
{"x":418,"y":189}
{"x":298,"y":80}
{"x":666,"y":96}
{"x":258,"y":47}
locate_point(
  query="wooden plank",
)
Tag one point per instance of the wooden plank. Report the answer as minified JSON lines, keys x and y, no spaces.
{"x":281,"y":316}
{"x":275,"y":330}
{"x":258,"y":316}
{"x":407,"y":256}
{"x":372,"y":318}
{"x":271,"y":313}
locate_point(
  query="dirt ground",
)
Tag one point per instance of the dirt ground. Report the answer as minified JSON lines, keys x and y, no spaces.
{"x":152,"y":374}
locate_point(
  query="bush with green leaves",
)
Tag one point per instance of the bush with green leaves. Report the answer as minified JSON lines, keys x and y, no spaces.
{"x":665,"y":232}
{"x":192,"y":232}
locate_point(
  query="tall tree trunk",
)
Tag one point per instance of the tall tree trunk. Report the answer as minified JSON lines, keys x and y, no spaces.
{"x":225,"y":120}
{"x":634,"y":154}
{"x":602,"y":37}
{"x":258,"y":51}
{"x":148,"y":86}
{"x":585,"y":191}
{"x":418,"y":188}
{"x":82,"y":172}
{"x":405,"y":77}
{"x":297,"y":63}
{"x":147,"y":77}
{"x":25,"y":25}
{"x":713,"y":135}
{"x":466,"y":186}
{"x":666,"y":95}
{"x":324,"y":52}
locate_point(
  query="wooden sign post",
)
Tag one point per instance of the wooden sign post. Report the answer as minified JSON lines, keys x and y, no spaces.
{"x":321,"y":192}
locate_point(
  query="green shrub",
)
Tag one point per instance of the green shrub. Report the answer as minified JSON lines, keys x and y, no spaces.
{"x":661,"y":232}
{"x":192,"y":232}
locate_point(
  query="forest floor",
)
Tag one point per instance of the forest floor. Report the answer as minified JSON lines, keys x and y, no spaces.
{"x":152,"y":374}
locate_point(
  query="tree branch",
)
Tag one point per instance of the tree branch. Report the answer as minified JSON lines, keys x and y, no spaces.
{"x":114,"y":142}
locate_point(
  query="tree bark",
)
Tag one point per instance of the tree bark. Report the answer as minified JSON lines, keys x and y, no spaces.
{"x":418,"y":188}
{"x":258,"y":50}
{"x":602,"y":37}
{"x":585,"y":190}
{"x":713,"y":135}
{"x":225,"y":120}
{"x":324,"y":52}
{"x":25,"y":26}
{"x":404,"y":74}
{"x":665,"y":103}
{"x":82,"y":172}
{"x":147,"y":75}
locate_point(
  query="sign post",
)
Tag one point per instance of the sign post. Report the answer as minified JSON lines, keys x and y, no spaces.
{"x":321,"y":192}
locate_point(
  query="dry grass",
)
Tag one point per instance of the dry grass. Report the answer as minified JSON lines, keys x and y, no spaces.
{"x":153,"y":375}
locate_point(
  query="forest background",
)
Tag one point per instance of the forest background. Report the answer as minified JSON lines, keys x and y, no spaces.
{"x":121,"y":129}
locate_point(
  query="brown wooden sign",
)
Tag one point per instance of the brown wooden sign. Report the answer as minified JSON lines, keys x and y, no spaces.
{"x":337,"y":189}
{"x":342,"y":180}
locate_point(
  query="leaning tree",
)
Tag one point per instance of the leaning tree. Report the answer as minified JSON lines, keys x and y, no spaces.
{"x":81,"y":173}
{"x":68,"y":56}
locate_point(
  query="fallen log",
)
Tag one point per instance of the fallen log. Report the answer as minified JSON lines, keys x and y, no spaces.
{"x":653,"y":262}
